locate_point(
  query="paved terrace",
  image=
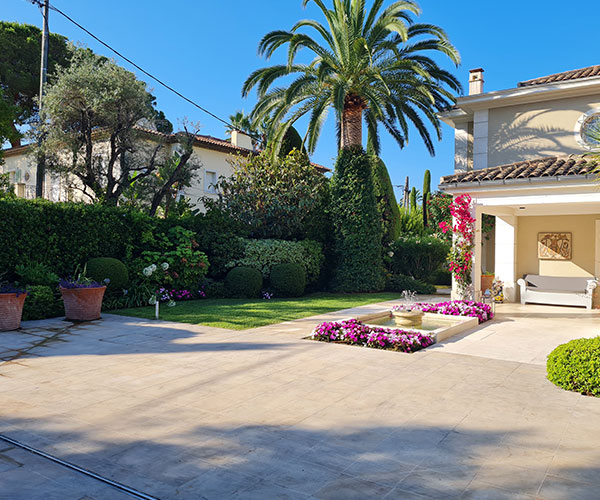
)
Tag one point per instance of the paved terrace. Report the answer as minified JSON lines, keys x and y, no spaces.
{"x":190,"y":412}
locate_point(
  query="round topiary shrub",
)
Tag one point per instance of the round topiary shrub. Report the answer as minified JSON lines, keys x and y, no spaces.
{"x":102,"y":268}
{"x":288,"y":280}
{"x":243,"y":282}
{"x":575,"y":366}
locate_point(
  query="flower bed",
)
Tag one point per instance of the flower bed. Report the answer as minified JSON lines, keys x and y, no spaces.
{"x":354,"y":332}
{"x":483,"y":312}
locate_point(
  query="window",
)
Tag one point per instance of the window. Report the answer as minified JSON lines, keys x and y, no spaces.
{"x":210,"y":182}
{"x":587,"y":130}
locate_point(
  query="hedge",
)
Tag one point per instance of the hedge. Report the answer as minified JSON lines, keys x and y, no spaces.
{"x":288,"y":280}
{"x":264,"y":254}
{"x":357,"y":231}
{"x":418,"y":256}
{"x":243,"y":282}
{"x":575,"y":366}
{"x":400,"y":283}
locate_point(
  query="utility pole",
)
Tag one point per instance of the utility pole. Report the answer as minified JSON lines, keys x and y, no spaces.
{"x":41,"y":166}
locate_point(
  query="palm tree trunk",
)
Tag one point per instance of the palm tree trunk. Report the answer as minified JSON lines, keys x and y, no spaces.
{"x":351,"y":129}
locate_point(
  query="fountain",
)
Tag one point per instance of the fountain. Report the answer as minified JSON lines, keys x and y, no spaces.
{"x":408,"y":314}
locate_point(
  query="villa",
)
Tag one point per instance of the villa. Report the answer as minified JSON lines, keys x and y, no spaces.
{"x":522,"y":154}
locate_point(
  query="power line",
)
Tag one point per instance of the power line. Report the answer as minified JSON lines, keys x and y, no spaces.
{"x":150,"y":75}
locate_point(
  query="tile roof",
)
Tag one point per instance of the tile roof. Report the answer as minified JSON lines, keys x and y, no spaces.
{"x":575,"y":74}
{"x":555,"y":166}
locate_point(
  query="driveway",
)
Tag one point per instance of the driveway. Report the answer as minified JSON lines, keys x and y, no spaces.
{"x":189,"y":412}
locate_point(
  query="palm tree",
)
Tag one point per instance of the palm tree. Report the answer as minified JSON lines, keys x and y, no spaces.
{"x":370,"y":65}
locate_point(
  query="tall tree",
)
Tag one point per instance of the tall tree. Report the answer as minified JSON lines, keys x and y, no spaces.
{"x":426,"y":196}
{"x":368,"y":63}
{"x":20,"y":69}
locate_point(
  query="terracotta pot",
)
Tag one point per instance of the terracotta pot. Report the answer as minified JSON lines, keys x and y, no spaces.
{"x":83,"y":304}
{"x":11,"y":310}
{"x":486,"y":282}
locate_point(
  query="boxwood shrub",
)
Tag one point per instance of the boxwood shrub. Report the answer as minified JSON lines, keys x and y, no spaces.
{"x":418,"y":256}
{"x":288,"y":280}
{"x":575,"y":366}
{"x":243,"y":282}
{"x":264,"y":254}
{"x":101,"y":268}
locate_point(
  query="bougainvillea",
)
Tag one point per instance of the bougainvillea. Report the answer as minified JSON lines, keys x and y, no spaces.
{"x":461,"y":255}
{"x":483,"y":312}
{"x":354,"y":332}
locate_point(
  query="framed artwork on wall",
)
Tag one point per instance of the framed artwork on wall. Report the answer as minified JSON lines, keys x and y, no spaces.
{"x":555,"y":246}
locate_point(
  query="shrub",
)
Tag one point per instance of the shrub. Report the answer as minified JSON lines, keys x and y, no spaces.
{"x":264,"y":254}
{"x":36,"y":273}
{"x":101,"y":268}
{"x":418,"y":256}
{"x":41,"y":303}
{"x":357,"y":229}
{"x":575,"y":366}
{"x":214,"y":289}
{"x":401,"y":283}
{"x":411,"y":222}
{"x":243,"y":282}
{"x":288,"y":280}
{"x":387,"y":206}
{"x":440,"y":277}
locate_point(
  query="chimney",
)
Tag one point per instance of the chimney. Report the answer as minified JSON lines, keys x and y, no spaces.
{"x":241,"y":140}
{"x":476,"y":81}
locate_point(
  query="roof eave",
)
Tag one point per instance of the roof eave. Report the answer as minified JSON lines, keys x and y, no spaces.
{"x":509,"y":183}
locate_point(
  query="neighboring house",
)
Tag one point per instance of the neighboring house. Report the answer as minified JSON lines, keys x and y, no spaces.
{"x":522,"y":154}
{"x":214,"y":154}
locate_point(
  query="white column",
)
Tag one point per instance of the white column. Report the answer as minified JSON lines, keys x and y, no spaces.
{"x":506,"y":254}
{"x":477,"y":214}
{"x":461,"y":147}
{"x":480,"y":139}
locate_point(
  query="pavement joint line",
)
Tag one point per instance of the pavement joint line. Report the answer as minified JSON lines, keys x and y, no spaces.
{"x":81,"y":470}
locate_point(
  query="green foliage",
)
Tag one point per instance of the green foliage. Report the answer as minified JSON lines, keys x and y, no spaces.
{"x":357,"y":232}
{"x":400,"y":283}
{"x":426,"y":196}
{"x":20,"y":68}
{"x":214,"y":289}
{"x":418,"y":256}
{"x":243,"y":282}
{"x":275,"y":198}
{"x":411,"y":222}
{"x":387,"y":205}
{"x":179,"y":249}
{"x":291,"y":140}
{"x":7,"y":190}
{"x":575,"y":366}
{"x":413,"y":199}
{"x":439,"y":212}
{"x":41,"y":302}
{"x":36,"y":273}
{"x":288,"y":280}
{"x":440,"y":277}
{"x":371,"y":58}
{"x":264,"y":254}
{"x":101,"y":268}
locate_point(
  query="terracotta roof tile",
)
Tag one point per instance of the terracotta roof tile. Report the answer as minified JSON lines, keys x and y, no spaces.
{"x":575,"y":74}
{"x":555,"y":166}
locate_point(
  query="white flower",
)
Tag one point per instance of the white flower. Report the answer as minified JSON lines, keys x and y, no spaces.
{"x":391,"y":254}
{"x":153,"y":267}
{"x":171,"y":303}
{"x":147,"y":271}
{"x":152,"y":300}
{"x":165,"y":266}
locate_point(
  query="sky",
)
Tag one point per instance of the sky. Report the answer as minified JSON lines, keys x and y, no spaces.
{"x":206,"y":49}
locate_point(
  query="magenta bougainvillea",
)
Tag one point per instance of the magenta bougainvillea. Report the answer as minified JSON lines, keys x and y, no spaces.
{"x":461,"y":255}
{"x":354,"y":332}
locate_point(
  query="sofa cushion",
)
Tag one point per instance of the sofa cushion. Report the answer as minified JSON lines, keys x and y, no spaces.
{"x":556,"y":283}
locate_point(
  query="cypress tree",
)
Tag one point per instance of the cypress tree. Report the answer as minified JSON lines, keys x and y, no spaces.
{"x":413,"y":199}
{"x":426,"y":196}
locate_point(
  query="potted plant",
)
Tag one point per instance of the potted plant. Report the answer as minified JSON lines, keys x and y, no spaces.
{"x":82,"y":297}
{"x":487,"y":279}
{"x":12,"y":299}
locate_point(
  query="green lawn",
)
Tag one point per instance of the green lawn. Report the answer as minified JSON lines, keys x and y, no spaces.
{"x":239,"y":314}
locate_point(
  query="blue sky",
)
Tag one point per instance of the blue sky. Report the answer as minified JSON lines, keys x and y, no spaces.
{"x":206,"y":49}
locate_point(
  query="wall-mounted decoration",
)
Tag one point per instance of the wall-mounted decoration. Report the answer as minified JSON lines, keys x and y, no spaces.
{"x":554,"y":246}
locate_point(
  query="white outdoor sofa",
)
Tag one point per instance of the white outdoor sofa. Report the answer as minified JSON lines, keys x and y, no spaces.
{"x":564,"y":291}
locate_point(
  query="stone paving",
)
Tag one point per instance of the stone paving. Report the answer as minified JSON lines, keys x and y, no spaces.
{"x":191,"y":412}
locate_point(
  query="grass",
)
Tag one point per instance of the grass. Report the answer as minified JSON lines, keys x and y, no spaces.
{"x":240,"y":314}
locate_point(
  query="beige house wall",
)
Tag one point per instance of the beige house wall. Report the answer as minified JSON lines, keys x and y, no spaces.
{"x":527,"y":131}
{"x":583,"y":229}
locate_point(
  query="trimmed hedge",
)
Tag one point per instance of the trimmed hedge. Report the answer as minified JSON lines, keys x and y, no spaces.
{"x":400,"y":283}
{"x":418,"y":256}
{"x":575,"y":366}
{"x":288,"y":280}
{"x":357,"y":230}
{"x":101,"y":268}
{"x":264,"y":254}
{"x":41,"y":303}
{"x":243,"y":282}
